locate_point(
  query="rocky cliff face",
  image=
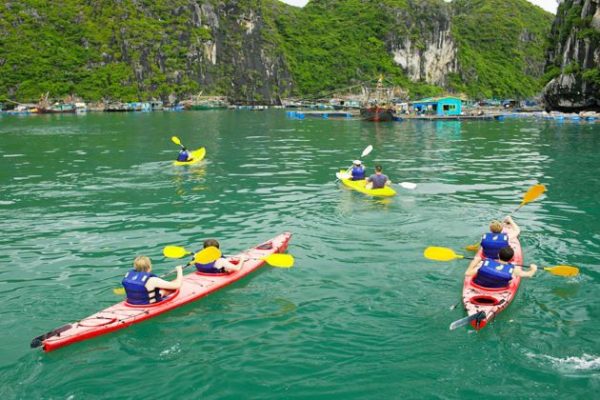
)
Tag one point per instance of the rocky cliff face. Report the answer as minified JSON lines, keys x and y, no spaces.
{"x":574,"y":58}
{"x":422,"y":44}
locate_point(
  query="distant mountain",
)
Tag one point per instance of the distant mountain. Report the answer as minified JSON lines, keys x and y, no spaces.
{"x":573,"y":68}
{"x":263,"y":50}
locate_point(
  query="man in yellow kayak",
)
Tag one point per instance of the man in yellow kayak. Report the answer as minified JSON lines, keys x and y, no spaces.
{"x":143,"y":287}
{"x":497,"y":273}
{"x":378,"y":180}
{"x":184,"y":155}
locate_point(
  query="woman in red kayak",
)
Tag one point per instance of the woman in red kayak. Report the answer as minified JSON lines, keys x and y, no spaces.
{"x":143,"y":287}
{"x":221,"y":265}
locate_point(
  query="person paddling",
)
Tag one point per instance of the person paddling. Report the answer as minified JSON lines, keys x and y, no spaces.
{"x":498,"y":237}
{"x":184,"y":155}
{"x":498,"y":273}
{"x":143,"y":287}
{"x":378,"y":179}
{"x":357,"y":171}
{"x":221,"y":265}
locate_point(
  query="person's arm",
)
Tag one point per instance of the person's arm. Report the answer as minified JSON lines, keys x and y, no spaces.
{"x":388,"y":181}
{"x":156,"y":282}
{"x":512,"y":225}
{"x":229,"y":266}
{"x":525,"y":274}
{"x":473,"y":266}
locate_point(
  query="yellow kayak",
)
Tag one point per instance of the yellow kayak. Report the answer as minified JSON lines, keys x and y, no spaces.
{"x":360,"y":186}
{"x":197,"y":156}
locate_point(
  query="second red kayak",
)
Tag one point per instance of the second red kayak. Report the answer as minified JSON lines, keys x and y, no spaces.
{"x":488,"y":302}
{"x":121,"y":315}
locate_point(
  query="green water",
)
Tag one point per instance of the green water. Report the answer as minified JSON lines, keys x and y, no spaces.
{"x":361,"y":315}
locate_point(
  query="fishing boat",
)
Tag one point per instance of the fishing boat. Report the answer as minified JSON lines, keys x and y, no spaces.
{"x":378,"y":109}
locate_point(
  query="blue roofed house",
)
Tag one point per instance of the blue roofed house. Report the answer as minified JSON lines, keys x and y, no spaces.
{"x":440,"y":106}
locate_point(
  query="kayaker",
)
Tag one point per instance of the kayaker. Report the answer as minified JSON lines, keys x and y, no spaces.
{"x":378,"y":179}
{"x":221,"y":265}
{"x":498,"y":273}
{"x":184,"y":155}
{"x":143,"y":287}
{"x":358,"y":171}
{"x":498,"y":237}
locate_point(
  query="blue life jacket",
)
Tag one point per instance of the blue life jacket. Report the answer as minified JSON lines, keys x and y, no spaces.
{"x":135,"y":288}
{"x":183,"y":155}
{"x":209,"y":268}
{"x":491,"y":243}
{"x":358,"y":173}
{"x":494,"y":274}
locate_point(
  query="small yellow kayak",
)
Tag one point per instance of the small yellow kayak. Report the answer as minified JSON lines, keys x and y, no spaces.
{"x":360,"y":186}
{"x":197,"y":156}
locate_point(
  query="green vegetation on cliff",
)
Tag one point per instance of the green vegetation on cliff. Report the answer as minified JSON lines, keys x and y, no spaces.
{"x":501,"y":46}
{"x":259,"y":50}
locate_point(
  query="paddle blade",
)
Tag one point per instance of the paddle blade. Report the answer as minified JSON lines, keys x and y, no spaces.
{"x":563,"y":270}
{"x":280,"y":260}
{"x":533,"y":193}
{"x":366,"y":151}
{"x":207,"y":255}
{"x":472,"y":247}
{"x":175,"y":252}
{"x":119,"y":291}
{"x":408,"y":185}
{"x":176,"y":140}
{"x":440,"y":254}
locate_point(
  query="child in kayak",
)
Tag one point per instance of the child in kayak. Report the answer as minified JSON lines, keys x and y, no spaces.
{"x":221,"y":265}
{"x":184,"y":155}
{"x":378,"y":179}
{"x":143,"y":287}
{"x":358,"y":171}
{"x":498,"y":273}
{"x":498,"y":237}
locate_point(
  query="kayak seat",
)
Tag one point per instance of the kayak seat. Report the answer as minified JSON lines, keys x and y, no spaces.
{"x":265,"y":246}
{"x":483,"y":300}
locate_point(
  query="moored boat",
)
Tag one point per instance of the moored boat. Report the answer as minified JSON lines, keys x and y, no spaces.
{"x":121,"y":315}
{"x":377,"y":113}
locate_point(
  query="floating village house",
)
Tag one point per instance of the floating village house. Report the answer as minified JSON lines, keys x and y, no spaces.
{"x":438,"y":106}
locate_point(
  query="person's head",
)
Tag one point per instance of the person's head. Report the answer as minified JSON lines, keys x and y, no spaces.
{"x":378,"y":168}
{"x":211,"y":243}
{"x":506,"y":254}
{"x":142,"y":264}
{"x":496,"y":226}
{"x":357,"y":163}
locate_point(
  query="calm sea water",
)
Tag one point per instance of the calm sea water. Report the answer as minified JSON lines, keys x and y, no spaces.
{"x":361,"y":315}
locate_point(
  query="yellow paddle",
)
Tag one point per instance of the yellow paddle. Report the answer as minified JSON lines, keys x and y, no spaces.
{"x":275,"y":260}
{"x":533,"y":193}
{"x":446,"y":254}
{"x":176,"y":140}
{"x":204,"y":256}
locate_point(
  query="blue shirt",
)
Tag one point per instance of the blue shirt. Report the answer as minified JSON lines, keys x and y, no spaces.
{"x":378,"y":180}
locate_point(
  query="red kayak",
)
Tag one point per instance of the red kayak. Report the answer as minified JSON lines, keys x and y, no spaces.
{"x":483,"y":304}
{"x":121,"y":315}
